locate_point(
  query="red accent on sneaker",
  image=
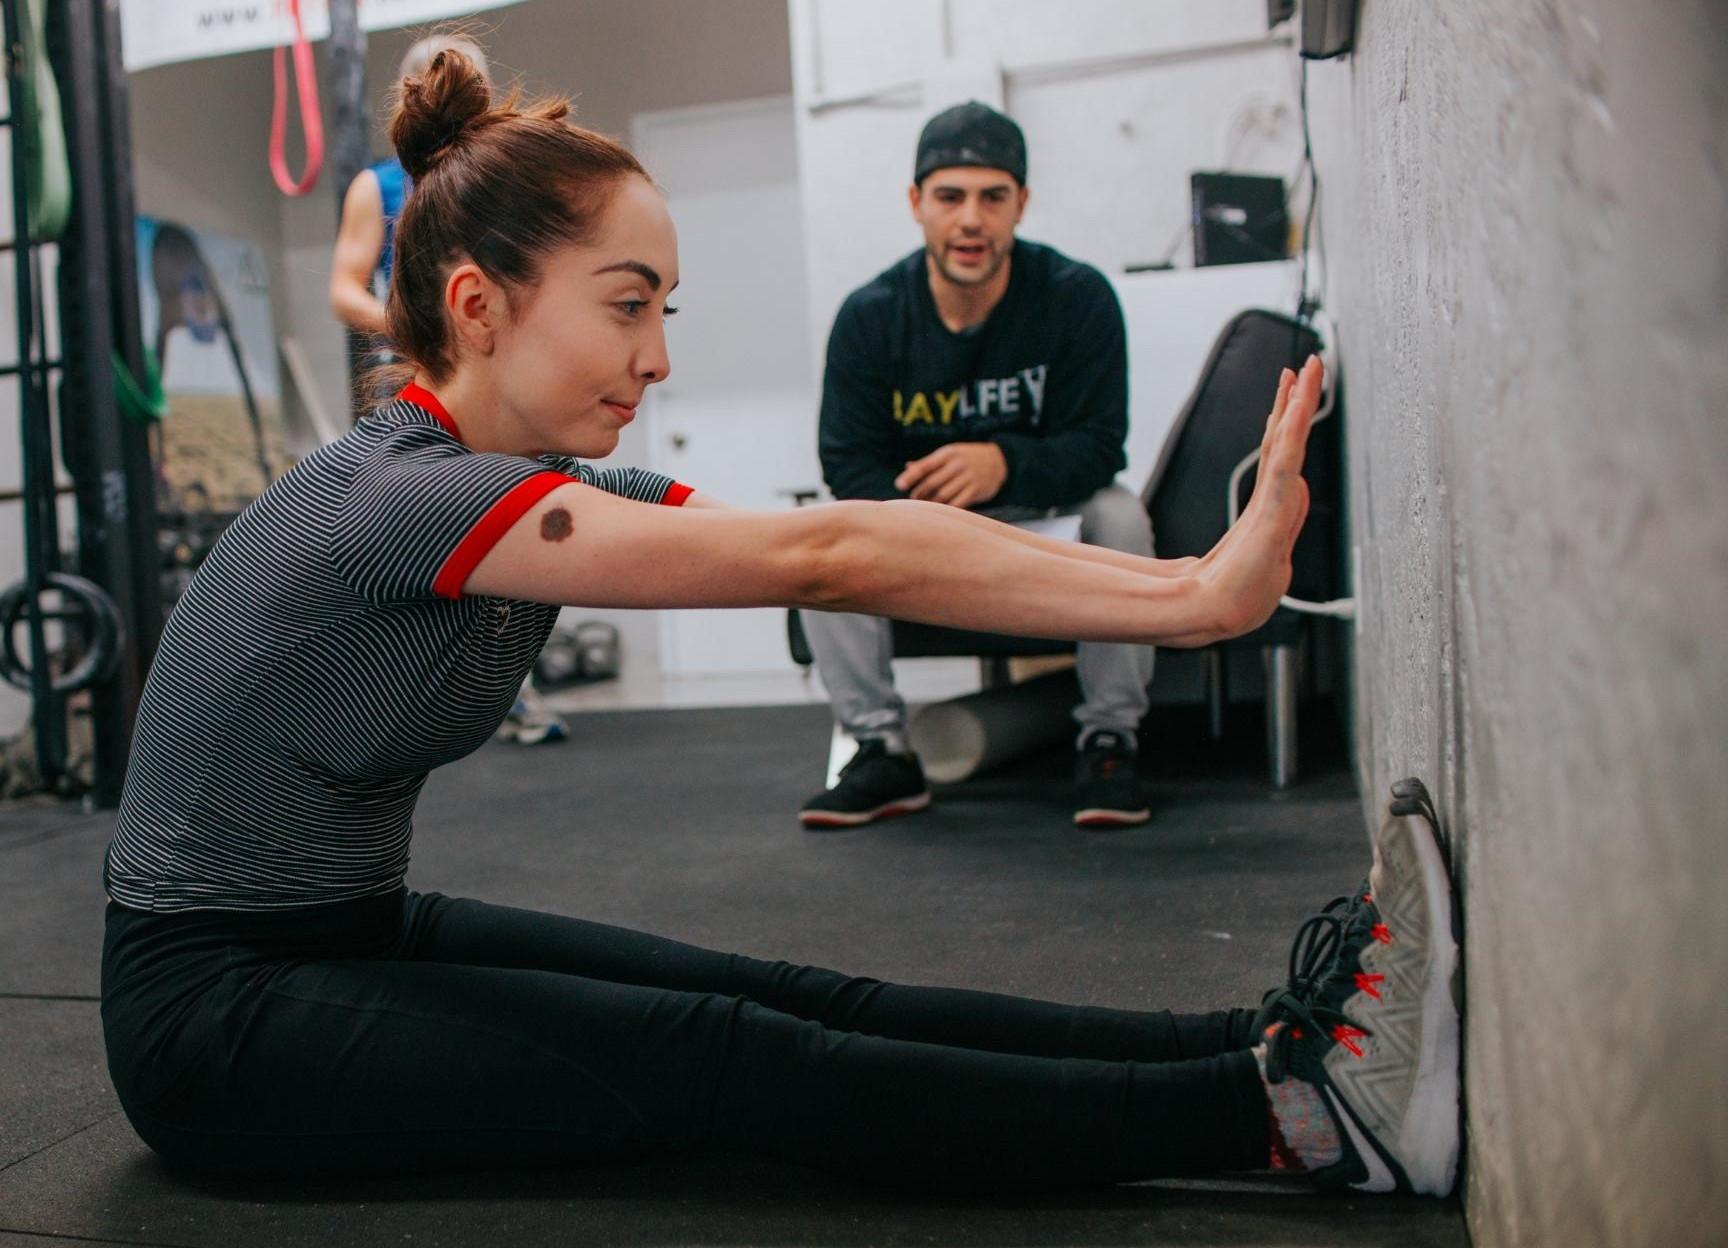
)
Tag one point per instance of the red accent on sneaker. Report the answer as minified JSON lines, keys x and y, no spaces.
{"x":1348,"y":1036}
{"x":1367,"y":897}
{"x":1367,"y":982}
{"x":1382,"y":933}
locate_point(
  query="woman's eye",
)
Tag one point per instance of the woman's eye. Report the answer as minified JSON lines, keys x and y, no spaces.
{"x":669,"y":310}
{"x":632,"y":307}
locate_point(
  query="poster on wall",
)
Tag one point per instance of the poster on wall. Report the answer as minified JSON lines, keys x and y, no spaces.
{"x":205,"y":306}
{"x":160,"y":32}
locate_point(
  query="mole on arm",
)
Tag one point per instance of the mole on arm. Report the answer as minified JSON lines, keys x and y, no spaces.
{"x":555,"y":525}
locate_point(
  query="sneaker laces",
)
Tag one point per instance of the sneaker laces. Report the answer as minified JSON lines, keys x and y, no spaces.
{"x":1316,"y":945}
{"x":1312,"y":955}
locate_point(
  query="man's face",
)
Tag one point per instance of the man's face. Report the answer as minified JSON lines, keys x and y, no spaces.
{"x":968,"y":215}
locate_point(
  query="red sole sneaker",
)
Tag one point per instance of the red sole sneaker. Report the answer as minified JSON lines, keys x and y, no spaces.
{"x":1111,"y":818}
{"x":822,"y":820}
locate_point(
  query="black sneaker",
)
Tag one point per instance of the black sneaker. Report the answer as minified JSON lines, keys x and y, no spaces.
{"x":1107,"y":794}
{"x":874,"y":785}
{"x":1377,"y":1033}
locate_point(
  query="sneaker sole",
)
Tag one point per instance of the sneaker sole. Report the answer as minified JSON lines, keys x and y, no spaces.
{"x":823,"y":820}
{"x":1094,"y":817}
{"x":1426,"y":1149}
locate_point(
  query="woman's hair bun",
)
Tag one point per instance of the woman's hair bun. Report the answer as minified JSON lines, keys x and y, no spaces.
{"x":433,"y":108}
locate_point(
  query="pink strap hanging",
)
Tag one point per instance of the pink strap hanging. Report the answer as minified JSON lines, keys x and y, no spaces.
{"x":311,"y":119}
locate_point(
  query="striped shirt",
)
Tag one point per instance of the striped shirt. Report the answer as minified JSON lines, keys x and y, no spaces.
{"x":324,"y":660}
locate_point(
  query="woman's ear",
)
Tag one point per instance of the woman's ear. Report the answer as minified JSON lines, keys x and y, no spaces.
{"x":476,"y":307}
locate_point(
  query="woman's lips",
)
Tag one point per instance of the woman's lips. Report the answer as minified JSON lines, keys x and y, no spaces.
{"x":625,"y":412}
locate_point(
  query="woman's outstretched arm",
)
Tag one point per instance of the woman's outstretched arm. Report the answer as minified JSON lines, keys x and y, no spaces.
{"x":913,"y":560}
{"x":1120,"y":559}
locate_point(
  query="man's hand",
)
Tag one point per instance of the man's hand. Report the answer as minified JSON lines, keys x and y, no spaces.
{"x":961,"y":474}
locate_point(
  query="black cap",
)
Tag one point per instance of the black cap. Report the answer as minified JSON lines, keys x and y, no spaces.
{"x":971,"y":134}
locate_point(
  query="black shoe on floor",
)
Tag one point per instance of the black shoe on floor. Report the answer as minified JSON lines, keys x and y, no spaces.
{"x":874,"y":785}
{"x":1107,"y":794}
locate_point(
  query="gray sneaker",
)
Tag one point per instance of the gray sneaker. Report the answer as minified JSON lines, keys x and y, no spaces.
{"x":1378,"y":1034}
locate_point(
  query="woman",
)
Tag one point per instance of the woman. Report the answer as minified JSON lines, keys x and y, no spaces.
{"x":276,"y":1002}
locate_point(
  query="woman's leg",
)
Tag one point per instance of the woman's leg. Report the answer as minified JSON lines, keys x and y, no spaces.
{"x":444,"y":929}
{"x":368,"y":1065}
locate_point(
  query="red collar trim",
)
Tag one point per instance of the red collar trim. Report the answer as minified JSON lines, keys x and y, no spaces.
{"x":421,"y":397}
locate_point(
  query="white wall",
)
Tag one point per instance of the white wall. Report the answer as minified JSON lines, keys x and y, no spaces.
{"x":1120,"y":100}
{"x":734,"y":418}
{"x":1117,"y":105}
{"x":199,"y":141}
{"x":1526,"y":211}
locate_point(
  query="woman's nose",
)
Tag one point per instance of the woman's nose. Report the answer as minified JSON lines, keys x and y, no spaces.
{"x":655,"y":364}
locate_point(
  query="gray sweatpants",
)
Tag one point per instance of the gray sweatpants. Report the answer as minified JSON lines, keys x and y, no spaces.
{"x":854,"y":653}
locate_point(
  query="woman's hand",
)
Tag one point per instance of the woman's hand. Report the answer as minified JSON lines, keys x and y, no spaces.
{"x":1249,"y":568}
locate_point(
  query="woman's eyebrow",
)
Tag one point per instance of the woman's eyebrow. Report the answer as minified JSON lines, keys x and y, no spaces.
{"x":643,"y":271}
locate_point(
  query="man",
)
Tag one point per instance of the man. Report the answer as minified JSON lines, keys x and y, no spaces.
{"x":984,"y":372}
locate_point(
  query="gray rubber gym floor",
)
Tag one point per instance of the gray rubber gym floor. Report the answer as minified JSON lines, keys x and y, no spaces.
{"x":682,"y":823}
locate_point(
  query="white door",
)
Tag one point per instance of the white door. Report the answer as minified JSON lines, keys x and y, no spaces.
{"x":737,"y":417}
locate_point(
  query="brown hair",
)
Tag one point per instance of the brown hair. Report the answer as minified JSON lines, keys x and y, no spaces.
{"x":501,"y":185}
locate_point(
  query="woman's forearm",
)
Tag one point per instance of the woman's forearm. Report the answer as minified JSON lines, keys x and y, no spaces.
{"x":1138,"y":564}
{"x":936,"y":564}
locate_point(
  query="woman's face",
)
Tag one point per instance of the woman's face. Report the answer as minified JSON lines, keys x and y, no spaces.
{"x":580,"y":349}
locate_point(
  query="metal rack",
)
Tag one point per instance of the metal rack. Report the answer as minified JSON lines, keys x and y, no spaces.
{"x":111,"y":609}
{"x":32,"y":368}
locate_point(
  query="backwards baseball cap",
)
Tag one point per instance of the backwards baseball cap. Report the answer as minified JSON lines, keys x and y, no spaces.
{"x":971,"y":134}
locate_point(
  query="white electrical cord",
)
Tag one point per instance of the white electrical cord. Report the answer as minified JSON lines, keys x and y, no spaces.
{"x":1338,"y":608}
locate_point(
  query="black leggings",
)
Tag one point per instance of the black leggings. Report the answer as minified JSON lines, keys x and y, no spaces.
{"x":417,"y":1031}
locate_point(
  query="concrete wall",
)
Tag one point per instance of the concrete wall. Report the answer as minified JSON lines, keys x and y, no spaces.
{"x":1526,"y":213}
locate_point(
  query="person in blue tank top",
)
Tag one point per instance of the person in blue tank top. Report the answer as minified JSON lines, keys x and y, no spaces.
{"x":393,"y":186}
{"x":360,"y":271}
{"x":366,"y":239}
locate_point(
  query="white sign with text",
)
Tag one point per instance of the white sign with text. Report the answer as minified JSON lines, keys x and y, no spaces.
{"x":160,"y":32}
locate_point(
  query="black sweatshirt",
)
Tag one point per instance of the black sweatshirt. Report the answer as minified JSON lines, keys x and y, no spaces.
{"x":1044,"y":377}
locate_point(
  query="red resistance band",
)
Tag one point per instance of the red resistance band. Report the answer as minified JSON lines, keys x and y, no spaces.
{"x":311,"y":119}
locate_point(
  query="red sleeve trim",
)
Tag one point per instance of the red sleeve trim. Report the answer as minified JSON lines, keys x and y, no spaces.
{"x":489,"y":528}
{"x":421,"y":397}
{"x":676,"y":493}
